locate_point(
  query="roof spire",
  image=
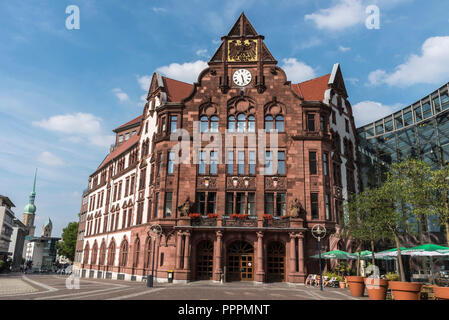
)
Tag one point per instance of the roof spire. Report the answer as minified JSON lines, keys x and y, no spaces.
{"x":34,"y":183}
{"x":30,"y":208}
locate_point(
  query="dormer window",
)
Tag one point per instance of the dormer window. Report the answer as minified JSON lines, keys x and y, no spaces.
{"x":120,"y":138}
{"x":127,"y":136}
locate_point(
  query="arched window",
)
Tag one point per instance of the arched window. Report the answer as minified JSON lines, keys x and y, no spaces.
{"x":86,"y":253}
{"x":241,"y":123}
{"x":251,"y":124}
{"x":280,"y":123}
{"x":93,"y":259}
{"x":111,"y":254}
{"x":124,"y":219}
{"x":136,"y":253}
{"x":231,"y":124}
{"x":148,"y":253}
{"x":268,"y":123}
{"x":204,"y":124}
{"x":102,"y":253}
{"x":124,"y":253}
{"x":214,"y":124}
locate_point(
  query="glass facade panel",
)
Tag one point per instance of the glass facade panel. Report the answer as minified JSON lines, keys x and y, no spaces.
{"x":426,"y":110}
{"x":418,"y":114}
{"x":379,"y":128}
{"x":398,"y":121}
{"x":408,"y":119}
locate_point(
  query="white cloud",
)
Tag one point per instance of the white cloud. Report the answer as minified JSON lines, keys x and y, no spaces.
{"x":122,"y":96}
{"x":344,"y":14}
{"x":48,"y":158}
{"x":431,"y":67}
{"x":144,"y":81}
{"x":78,"y":127}
{"x":343,"y":49}
{"x":202,"y":53}
{"x":188,"y":71}
{"x":369,"y":111}
{"x":297,"y":71}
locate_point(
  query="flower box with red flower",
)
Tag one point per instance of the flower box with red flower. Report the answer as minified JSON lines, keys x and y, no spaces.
{"x":212,"y":216}
{"x":268,"y":217}
{"x":195,"y":216}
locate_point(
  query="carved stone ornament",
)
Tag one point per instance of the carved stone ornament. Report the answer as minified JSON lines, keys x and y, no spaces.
{"x":184,"y":208}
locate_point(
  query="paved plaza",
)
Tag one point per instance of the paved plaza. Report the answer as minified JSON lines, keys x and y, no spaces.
{"x":54,"y":287}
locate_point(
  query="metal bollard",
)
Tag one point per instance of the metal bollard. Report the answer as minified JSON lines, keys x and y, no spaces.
{"x":150,"y":281}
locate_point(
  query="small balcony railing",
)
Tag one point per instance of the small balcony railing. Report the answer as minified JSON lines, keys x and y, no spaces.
{"x":276,"y":223}
{"x":246,"y":223}
{"x":208,"y":222}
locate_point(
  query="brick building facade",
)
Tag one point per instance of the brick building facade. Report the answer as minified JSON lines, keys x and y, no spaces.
{"x":238,"y":209}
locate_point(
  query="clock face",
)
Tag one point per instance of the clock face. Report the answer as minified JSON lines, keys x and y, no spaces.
{"x":242,"y":77}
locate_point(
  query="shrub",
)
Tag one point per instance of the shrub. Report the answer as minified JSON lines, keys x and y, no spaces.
{"x":391,"y":276}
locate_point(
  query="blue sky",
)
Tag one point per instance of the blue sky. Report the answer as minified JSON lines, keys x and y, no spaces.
{"x":63,"y":91}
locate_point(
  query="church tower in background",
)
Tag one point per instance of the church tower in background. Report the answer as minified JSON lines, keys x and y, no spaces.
{"x":30,"y":210}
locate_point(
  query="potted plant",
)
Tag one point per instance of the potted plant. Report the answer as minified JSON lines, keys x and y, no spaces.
{"x":356,"y":285}
{"x":212,"y":216}
{"x":441,"y":293}
{"x":377,"y":288}
{"x":268,"y":217}
{"x":195,"y":216}
{"x":405,"y":290}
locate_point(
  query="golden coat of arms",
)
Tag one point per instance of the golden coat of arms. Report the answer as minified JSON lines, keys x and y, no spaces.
{"x":242,"y":51}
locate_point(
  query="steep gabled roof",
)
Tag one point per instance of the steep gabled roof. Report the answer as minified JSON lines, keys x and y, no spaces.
{"x":177,"y":90}
{"x":313,"y":90}
{"x":129,"y":123}
{"x":118,"y":150}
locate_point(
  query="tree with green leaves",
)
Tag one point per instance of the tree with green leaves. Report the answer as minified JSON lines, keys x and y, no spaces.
{"x":67,"y":246}
{"x":440,"y":198}
{"x":363,"y":225}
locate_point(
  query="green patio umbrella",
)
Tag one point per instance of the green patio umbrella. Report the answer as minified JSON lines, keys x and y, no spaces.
{"x":364,"y":255}
{"x":426,"y":250}
{"x":335,"y":254}
{"x":387,"y":254}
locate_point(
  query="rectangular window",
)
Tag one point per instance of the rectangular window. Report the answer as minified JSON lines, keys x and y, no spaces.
{"x":201,"y":201}
{"x":229,"y":203}
{"x":251,"y":203}
{"x":211,"y":202}
{"x":269,"y":203}
{"x":314,"y":205}
{"x":131,"y":187}
{"x":173,"y":123}
{"x":280,"y":204}
{"x":268,"y":163}
{"x":322,"y":123}
{"x":202,"y":163}
{"x":328,"y":206}
{"x":143,"y":174}
{"x":171,"y":163}
{"x":163,"y":124}
{"x":325,"y":164}
{"x":168,"y":204}
{"x":230,"y":162}
{"x":240,"y":201}
{"x":281,"y":162}
{"x":126,"y":187}
{"x":312,"y":163}
{"x":241,"y":162}
{"x":159,"y":165}
{"x":213,"y":162}
{"x":156,"y":205}
{"x":311,"y":122}
{"x":252,"y":162}
{"x":347,"y":125}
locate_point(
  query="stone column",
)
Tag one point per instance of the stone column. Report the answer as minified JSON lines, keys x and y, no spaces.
{"x":260,"y":274}
{"x":292,"y":252}
{"x":178,"y":250}
{"x":217,"y":256}
{"x":187,"y":251}
{"x":301,"y":253}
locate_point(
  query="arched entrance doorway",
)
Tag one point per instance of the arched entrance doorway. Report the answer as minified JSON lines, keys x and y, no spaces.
{"x":205,"y":260}
{"x":276,"y":262}
{"x":240,"y":261}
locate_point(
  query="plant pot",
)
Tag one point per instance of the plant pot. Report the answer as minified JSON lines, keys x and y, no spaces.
{"x":377,"y":288}
{"x":356,"y":285}
{"x":405,"y":290}
{"x":442,"y":293}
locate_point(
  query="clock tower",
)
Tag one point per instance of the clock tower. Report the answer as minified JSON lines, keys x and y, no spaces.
{"x":242,"y":57}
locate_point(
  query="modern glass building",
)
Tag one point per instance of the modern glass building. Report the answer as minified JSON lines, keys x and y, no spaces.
{"x":420,"y":130}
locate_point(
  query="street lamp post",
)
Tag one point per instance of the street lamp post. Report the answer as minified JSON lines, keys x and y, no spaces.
{"x":154,"y":232}
{"x":319,"y":231}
